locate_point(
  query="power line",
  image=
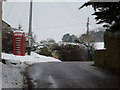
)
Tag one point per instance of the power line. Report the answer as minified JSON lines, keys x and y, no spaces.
{"x":21,"y":19}
{"x":64,"y":26}
{"x":10,"y":11}
{"x":57,"y":12}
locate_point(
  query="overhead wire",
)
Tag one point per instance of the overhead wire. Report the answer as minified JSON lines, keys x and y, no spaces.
{"x":63,"y":26}
{"x":57,"y":12}
{"x":83,"y":30}
{"x":7,"y":15}
{"x":22,"y":16}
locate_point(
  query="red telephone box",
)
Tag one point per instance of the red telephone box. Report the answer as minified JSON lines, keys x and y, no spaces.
{"x":19,"y":43}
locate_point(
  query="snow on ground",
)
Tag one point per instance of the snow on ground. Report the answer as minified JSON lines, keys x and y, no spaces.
{"x":99,"y":45}
{"x":28,"y":59}
{"x":11,"y":75}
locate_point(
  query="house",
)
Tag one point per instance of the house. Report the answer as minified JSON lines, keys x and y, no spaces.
{"x":5,"y":26}
{"x":7,"y":35}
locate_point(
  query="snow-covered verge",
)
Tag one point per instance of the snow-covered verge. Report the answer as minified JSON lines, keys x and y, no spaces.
{"x":11,"y":73}
{"x":11,"y":77}
{"x":28,"y":59}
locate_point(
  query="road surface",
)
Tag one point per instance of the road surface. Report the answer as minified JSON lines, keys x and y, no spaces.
{"x":70,"y":75}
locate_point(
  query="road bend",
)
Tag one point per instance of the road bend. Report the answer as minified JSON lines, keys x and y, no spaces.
{"x":70,"y":75}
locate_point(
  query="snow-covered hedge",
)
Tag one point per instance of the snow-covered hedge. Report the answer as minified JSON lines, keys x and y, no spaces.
{"x":64,"y":51}
{"x":69,"y":52}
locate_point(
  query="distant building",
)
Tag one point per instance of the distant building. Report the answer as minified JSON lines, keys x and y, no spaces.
{"x":93,"y":36}
{"x":87,"y":38}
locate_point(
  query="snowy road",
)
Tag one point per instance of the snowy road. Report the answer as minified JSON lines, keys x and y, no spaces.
{"x":70,"y":75}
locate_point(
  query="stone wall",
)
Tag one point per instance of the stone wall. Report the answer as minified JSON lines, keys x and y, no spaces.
{"x":109,"y":58}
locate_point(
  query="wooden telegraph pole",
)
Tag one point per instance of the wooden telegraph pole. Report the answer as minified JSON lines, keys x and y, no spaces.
{"x":0,"y":29}
{"x":30,"y":30}
{"x":87,"y":26}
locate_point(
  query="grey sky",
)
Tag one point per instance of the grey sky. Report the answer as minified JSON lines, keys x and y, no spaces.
{"x":50,"y":19}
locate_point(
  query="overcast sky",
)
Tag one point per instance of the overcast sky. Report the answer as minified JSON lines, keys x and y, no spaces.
{"x":50,"y":19}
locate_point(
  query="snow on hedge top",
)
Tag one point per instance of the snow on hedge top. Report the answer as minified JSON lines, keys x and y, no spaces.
{"x":33,"y":58}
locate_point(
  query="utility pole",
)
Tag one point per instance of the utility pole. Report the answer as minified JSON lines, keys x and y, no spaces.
{"x":88,"y":26}
{"x":88,"y":46}
{"x":0,"y":29}
{"x":30,"y":30}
